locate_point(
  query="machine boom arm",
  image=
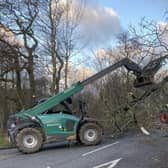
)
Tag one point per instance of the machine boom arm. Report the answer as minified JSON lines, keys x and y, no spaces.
{"x":127,"y":63}
{"x":142,"y":74}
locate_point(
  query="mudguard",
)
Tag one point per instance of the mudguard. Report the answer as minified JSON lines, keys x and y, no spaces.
{"x":86,"y":120}
{"x":24,"y":124}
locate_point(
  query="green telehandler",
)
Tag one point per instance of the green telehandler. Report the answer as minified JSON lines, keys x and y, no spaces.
{"x":29,"y":129}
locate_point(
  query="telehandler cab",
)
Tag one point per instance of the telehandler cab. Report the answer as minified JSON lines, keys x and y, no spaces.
{"x":30,"y":129}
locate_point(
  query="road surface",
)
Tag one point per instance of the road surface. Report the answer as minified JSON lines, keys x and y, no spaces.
{"x":130,"y":151}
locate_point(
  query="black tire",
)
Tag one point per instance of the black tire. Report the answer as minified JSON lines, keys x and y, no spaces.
{"x":90,"y":134}
{"x":29,"y":140}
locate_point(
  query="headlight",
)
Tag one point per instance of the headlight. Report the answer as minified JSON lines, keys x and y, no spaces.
{"x":13,"y":125}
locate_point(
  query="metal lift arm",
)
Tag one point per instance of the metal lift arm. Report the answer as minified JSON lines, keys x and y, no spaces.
{"x":127,"y":63}
{"x":153,"y":66}
{"x":147,"y":71}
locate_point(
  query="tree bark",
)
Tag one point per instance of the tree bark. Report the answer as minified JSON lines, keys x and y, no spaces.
{"x":66,"y":72}
{"x":20,"y":102}
{"x":30,"y":70}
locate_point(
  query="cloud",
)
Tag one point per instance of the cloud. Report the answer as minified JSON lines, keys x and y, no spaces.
{"x":99,"y":24}
{"x":9,"y":36}
{"x":162,"y":27}
{"x":79,"y":74}
{"x":162,"y":35}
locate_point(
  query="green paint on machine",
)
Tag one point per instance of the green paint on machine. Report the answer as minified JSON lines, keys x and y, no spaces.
{"x":42,"y":124}
{"x":51,"y":102}
{"x":59,"y":124}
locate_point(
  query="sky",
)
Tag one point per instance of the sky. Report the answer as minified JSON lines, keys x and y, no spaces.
{"x":131,"y":11}
{"x":104,"y":19}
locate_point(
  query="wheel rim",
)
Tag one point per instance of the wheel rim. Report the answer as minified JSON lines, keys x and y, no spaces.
{"x":30,"y":141}
{"x":90,"y":135}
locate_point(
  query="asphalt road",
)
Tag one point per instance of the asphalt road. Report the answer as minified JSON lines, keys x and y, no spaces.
{"x":130,"y":151}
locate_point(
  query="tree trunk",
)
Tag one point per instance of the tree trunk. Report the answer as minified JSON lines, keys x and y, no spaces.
{"x":20,"y":102}
{"x":4,"y":113}
{"x":66,"y":72}
{"x":53,"y":86}
{"x":30,"y":71}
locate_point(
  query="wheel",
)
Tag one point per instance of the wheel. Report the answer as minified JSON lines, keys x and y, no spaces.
{"x":29,"y":140}
{"x":90,"y":134}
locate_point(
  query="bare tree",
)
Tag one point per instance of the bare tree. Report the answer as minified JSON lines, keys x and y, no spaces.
{"x":70,"y":38}
{"x":59,"y":24}
{"x":19,"y":17}
{"x":12,"y":66}
{"x":10,"y":78}
{"x":49,"y":21}
{"x":120,"y":108}
{"x":152,"y":37}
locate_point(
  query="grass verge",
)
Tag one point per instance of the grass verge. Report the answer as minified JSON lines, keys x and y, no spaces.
{"x":4,"y":141}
